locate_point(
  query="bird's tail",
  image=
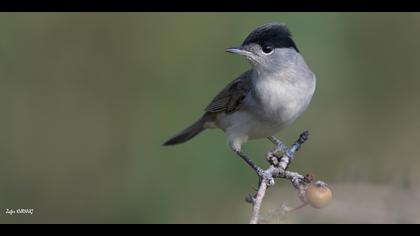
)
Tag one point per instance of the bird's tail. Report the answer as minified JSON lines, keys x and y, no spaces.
{"x":188,"y":133}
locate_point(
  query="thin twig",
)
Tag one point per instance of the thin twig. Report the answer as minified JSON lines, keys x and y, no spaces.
{"x":278,"y":169}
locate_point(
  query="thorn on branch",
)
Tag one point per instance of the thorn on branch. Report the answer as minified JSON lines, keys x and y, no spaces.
{"x":250,"y":199}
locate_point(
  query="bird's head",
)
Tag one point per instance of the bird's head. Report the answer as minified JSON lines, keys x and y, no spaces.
{"x":267,"y":47}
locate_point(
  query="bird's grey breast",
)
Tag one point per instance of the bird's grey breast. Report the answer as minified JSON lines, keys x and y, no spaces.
{"x":280,"y":98}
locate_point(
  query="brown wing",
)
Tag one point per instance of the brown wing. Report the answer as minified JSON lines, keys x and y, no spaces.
{"x":231,"y":97}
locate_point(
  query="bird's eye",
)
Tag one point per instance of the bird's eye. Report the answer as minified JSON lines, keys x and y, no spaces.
{"x":267,"y":49}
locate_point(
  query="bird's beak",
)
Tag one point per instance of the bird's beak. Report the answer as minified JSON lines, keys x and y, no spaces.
{"x":239,"y":51}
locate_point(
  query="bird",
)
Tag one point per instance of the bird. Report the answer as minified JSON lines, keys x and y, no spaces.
{"x":263,"y":100}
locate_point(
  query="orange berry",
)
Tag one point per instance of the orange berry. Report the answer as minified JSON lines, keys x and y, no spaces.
{"x":318,"y":195}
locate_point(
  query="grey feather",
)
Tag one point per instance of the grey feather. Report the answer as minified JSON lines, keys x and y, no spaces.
{"x":188,"y":133}
{"x":231,"y":97}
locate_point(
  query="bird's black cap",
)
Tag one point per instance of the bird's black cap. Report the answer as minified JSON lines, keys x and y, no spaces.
{"x":274,"y":34}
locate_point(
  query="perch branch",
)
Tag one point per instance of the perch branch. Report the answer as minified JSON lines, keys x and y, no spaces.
{"x":257,"y":201}
{"x":278,"y":169}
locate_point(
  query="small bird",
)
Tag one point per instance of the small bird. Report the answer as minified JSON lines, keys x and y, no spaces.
{"x":263,"y":100}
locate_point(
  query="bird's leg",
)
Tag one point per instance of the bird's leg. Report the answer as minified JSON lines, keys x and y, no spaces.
{"x":257,"y":169}
{"x":263,"y":175}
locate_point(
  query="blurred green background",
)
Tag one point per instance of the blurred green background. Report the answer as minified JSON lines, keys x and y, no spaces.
{"x":88,"y":98}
